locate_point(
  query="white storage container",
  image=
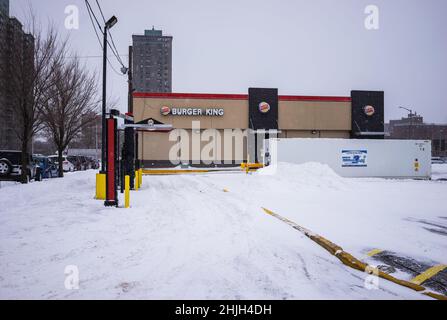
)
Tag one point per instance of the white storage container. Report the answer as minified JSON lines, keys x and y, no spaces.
{"x":360,"y":158}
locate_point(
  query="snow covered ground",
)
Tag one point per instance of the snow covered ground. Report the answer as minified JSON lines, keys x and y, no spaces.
{"x":185,"y":238}
{"x":439,"y":171}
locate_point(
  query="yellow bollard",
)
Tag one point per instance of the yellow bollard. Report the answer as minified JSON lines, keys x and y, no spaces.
{"x":137,"y":183}
{"x":100,"y":186}
{"x":126,"y":192}
{"x":141,"y":177}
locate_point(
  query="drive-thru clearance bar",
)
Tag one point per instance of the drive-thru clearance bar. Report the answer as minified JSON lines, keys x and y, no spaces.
{"x":360,"y":115}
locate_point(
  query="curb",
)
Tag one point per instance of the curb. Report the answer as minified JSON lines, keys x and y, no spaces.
{"x":350,"y":261}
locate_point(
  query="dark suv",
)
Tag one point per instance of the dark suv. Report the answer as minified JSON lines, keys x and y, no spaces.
{"x":11,"y":167}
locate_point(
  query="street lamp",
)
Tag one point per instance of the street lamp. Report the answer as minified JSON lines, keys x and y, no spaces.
{"x":409,"y":110}
{"x":109,"y":25}
{"x":112,"y":21}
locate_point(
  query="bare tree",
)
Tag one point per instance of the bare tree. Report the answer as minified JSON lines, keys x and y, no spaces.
{"x":71,"y":104}
{"x":90,"y":135}
{"x":30,"y":80}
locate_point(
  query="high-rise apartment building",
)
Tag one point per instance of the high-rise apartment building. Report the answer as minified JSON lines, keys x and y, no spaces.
{"x":16,"y":65}
{"x":4,"y":7}
{"x":152,"y":62}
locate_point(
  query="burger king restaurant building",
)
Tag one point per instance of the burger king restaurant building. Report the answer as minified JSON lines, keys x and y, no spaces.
{"x":358,"y":116}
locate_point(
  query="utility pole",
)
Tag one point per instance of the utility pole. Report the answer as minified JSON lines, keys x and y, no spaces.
{"x":129,"y":133}
{"x":130,"y":80}
{"x":96,"y":138}
{"x":104,"y":93}
{"x":109,"y":24}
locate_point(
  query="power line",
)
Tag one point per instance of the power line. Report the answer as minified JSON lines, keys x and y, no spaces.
{"x":90,"y":13}
{"x":110,"y":34}
{"x":114,"y":49}
{"x":91,"y":56}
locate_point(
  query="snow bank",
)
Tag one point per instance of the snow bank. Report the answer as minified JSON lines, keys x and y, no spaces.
{"x":355,"y":213}
{"x":307,"y":175}
{"x":439,"y":171}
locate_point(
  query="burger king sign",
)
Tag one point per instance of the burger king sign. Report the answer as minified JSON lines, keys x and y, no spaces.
{"x":369,"y":110}
{"x":192,"y":111}
{"x":165,"y":110}
{"x":264,"y":107}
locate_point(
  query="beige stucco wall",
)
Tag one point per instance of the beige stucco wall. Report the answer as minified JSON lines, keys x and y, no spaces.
{"x":236,"y":112}
{"x":157,"y":145}
{"x":314,"y":115}
{"x":154,"y":146}
{"x":293,"y":115}
{"x":304,"y":119}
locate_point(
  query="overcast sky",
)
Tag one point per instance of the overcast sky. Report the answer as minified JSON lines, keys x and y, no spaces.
{"x":312,"y":47}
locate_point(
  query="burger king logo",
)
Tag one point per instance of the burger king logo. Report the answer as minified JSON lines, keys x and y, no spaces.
{"x":369,"y":110}
{"x":165,"y":110}
{"x":264,"y":107}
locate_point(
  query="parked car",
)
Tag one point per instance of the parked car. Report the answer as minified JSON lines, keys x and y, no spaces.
{"x":48,"y":169}
{"x":91,"y":163}
{"x":81,"y":163}
{"x":76,"y":162}
{"x":67,"y":166}
{"x":11,"y":166}
{"x":86,"y":165}
{"x":94,"y":163}
{"x":97,"y":164}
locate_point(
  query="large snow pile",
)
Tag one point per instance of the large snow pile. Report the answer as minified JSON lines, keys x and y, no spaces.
{"x":307,"y":175}
{"x":184,"y":238}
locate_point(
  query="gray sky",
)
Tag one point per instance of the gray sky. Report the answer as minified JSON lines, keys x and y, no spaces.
{"x":312,"y":47}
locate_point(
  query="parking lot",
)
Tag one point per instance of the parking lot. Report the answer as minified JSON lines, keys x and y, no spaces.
{"x":205,"y":236}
